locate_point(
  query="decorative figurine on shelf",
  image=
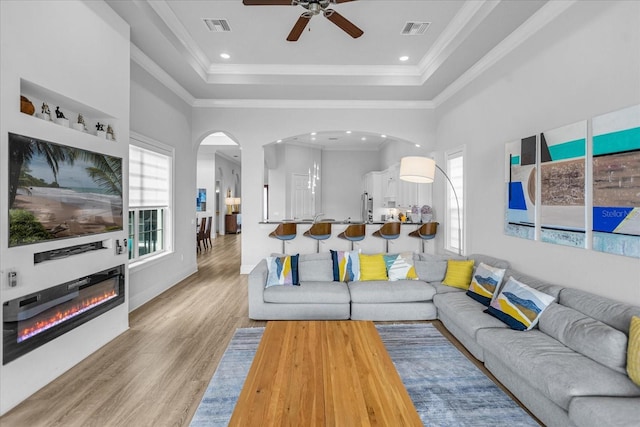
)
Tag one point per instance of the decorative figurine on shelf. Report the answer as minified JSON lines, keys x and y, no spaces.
{"x":60,"y":118}
{"x":80,"y":124}
{"x":26,"y":106}
{"x":110,"y":134}
{"x":46,"y":113}
{"x":100,"y":130}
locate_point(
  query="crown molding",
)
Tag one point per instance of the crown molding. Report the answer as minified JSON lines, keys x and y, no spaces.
{"x":140,"y":58}
{"x":545,"y":15}
{"x":314,"y":104}
{"x":470,"y":15}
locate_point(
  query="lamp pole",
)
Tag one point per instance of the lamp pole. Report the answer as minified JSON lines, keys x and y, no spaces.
{"x":457,"y":205}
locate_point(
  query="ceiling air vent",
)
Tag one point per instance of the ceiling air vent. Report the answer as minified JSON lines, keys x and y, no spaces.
{"x":218,"y":25}
{"x":415,"y":28}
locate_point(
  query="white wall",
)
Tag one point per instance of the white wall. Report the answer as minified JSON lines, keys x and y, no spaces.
{"x":344,"y":183}
{"x":254,"y":127}
{"x":585,"y":63}
{"x":158,"y":114}
{"x":48,"y":43}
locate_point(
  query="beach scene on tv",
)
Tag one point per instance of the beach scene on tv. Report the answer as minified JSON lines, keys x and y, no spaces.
{"x":57,"y":191}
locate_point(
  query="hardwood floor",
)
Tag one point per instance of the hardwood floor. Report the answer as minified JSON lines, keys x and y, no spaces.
{"x":155,"y":373}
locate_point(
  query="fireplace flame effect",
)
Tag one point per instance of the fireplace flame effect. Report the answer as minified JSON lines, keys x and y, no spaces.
{"x":64,"y":315}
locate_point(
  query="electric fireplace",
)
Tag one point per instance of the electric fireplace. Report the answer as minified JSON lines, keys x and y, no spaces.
{"x":35,"y":319}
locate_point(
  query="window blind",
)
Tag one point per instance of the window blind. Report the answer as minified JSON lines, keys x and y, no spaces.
{"x":149,"y":178}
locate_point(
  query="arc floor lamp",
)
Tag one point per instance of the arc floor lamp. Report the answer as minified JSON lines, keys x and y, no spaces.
{"x":422,"y":170}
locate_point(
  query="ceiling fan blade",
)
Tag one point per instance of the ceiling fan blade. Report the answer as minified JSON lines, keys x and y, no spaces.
{"x":267,"y":2}
{"x":299,"y":27}
{"x":342,"y":22}
{"x":341,"y":1}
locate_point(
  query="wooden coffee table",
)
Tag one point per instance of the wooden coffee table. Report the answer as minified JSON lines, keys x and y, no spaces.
{"x":323,"y":373}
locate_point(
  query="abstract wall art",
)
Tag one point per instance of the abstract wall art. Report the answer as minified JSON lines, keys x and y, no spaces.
{"x":562,"y":185}
{"x":520,"y":177}
{"x":616,"y":182}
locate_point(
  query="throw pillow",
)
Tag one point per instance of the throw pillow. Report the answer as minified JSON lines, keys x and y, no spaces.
{"x":400,"y":266}
{"x":372,"y":267}
{"x":283,"y":270}
{"x":346,"y":266}
{"x":485,"y":283}
{"x":633,"y":351}
{"x":458,"y":273}
{"x":519,"y":305}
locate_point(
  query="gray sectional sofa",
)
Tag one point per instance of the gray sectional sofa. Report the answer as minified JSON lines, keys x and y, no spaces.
{"x":568,"y":371}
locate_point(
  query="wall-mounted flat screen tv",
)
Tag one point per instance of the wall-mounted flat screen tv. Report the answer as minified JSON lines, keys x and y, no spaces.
{"x":57,"y":191}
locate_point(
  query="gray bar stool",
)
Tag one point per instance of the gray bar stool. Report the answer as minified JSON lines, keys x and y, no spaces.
{"x":319,"y":231}
{"x":427,"y":231}
{"x":388,"y":231}
{"x":354,"y":233}
{"x":285,"y":231}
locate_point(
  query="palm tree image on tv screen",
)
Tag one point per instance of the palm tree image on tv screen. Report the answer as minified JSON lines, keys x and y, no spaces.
{"x":57,"y":191}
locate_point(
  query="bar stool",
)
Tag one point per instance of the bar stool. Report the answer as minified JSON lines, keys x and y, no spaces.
{"x":319,"y":231}
{"x":284,"y":231}
{"x":354,"y":233}
{"x":388,"y":231}
{"x":427,"y":231}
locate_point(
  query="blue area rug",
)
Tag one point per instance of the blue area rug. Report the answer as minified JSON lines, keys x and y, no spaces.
{"x":446,"y":388}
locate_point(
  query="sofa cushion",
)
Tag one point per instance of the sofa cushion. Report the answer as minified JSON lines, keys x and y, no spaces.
{"x":387,"y":292}
{"x":489,"y":260}
{"x":485,"y":283}
{"x":633,"y":352}
{"x":468,"y":313}
{"x":550,"y":367}
{"x":444,"y":289}
{"x":458,"y":273}
{"x":283,"y":270}
{"x":614,"y":313}
{"x":372,"y":267}
{"x":586,"y":335}
{"x":400,"y":266}
{"x":519,"y":305}
{"x":346,"y":265}
{"x":431,"y":271}
{"x":309,"y":293}
{"x":601,"y":411}
{"x":315,"y":267}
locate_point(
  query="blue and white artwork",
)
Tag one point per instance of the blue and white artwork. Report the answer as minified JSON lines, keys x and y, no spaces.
{"x":562,"y":185}
{"x":520,"y":157}
{"x":616,"y":182}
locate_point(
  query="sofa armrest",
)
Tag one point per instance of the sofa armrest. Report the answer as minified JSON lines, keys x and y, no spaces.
{"x":257,"y":280}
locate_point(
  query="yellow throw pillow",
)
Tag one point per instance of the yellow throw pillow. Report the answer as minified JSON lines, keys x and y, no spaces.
{"x":633,"y":351}
{"x":372,"y":267}
{"x":458,"y":274}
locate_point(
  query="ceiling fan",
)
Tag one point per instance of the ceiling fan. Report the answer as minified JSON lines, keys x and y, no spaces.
{"x":314,"y":7}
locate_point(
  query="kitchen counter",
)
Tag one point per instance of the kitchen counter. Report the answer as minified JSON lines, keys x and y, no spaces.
{"x":337,"y":222}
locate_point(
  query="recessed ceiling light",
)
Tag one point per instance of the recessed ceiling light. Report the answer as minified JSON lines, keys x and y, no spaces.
{"x":313,"y":139}
{"x":348,"y":131}
{"x":313,"y":133}
{"x":418,"y":145}
{"x":364,"y":138}
{"x":225,"y":56}
{"x":383,"y":136}
{"x":404,"y":58}
{"x":278,"y":141}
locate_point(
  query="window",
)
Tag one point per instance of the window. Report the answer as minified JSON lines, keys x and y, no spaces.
{"x":454,"y":230}
{"x":150,"y":189}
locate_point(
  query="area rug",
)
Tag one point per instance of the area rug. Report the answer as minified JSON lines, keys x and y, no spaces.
{"x":446,"y":388}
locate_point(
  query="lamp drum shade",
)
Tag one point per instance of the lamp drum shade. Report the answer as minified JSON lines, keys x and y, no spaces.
{"x":417,"y":169}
